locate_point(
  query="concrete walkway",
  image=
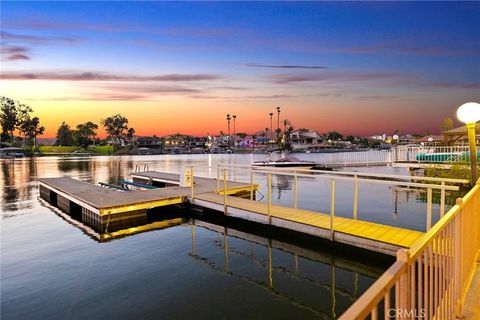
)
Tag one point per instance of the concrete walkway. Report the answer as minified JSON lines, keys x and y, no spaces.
{"x":471,"y":309}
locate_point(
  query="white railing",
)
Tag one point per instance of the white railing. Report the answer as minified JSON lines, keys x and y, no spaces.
{"x":430,"y":280}
{"x":433,"y":154}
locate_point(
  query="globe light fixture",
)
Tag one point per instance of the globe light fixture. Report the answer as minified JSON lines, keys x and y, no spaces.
{"x":469,"y":113}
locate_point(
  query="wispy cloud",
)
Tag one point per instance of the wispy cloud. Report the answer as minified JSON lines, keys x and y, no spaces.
{"x":286,"y":78}
{"x":13,"y":53}
{"x":284,"y":66}
{"x":100,"y":76}
{"x":35,"y":39}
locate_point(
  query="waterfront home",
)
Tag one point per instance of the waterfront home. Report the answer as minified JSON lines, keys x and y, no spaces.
{"x":150,"y":142}
{"x":175,"y":143}
{"x":303,"y":139}
{"x":197,"y":144}
{"x":430,"y":140}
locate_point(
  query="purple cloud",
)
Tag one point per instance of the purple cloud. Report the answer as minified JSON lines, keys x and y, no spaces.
{"x":12,"y":37}
{"x":99,"y":76}
{"x":13,"y":53}
{"x":273,"y":66}
{"x":330,"y":77}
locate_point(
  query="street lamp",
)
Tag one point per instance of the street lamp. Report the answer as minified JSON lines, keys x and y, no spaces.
{"x":234,"y":131}
{"x":278,"y":122}
{"x":271,"y":125}
{"x":395,"y":138}
{"x":469,"y":113}
{"x":228,"y":122}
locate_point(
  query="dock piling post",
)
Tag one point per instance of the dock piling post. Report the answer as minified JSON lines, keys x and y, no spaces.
{"x":225,"y":191}
{"x":332,"y":209}
{"x":269,"y":200}
{"x":355,"y":198}
{"x":429,"y":208}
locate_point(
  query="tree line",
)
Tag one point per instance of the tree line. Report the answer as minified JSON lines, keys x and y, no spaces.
{"x":85,"y":134}
{"x":17,"y":117}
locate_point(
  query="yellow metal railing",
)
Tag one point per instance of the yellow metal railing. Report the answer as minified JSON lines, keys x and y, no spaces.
{"x":429,"y":280}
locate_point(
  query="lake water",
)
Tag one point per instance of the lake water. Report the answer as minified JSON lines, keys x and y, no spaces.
{"x":183,"y":266}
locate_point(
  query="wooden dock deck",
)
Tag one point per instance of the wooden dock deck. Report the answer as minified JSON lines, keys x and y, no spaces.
{"x":238,"y":200}
{"x":369,"y":235}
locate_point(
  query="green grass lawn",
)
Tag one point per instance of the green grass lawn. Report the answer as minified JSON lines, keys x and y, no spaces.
{"x":101,"y":149}
{"x":58,"y":149}
{"x":70,"y":149}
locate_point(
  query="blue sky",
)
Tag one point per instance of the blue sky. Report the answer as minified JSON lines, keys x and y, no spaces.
{"x":328,"y":64}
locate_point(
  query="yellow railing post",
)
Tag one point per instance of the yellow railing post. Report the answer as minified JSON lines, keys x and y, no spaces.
{"x":355,"y":198}
{"x":442,"y":199}
{"x":332,"y":209}
{"x":457,"y":268}
{"x":295,"y":191}
{"x":402,"y":299}
{"x":225,"y":191}
{"x":251,"y":184}
{"x":269,"y":200}
{"x":429,"y":208}
{"x":218,"y":178}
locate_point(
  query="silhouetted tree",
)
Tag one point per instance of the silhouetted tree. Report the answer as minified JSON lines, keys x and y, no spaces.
{"x":64,"y":135}
{"x":447,"y":124}
{"x":12,"y":115}
{"x":116,"y":127}
{"x":30,"y":127}
{"x":85,"y":134}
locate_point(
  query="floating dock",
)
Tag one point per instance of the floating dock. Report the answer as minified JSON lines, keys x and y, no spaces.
{"x":101,"y":206}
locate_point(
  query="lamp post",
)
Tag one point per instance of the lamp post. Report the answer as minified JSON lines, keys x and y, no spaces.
{"x":234,"y":131}
{"x":395,"y":138}
{"x":228,"y":121}
{"x":469,"y":113}
{"x":278,"y":122}
{"x":271,"y":125}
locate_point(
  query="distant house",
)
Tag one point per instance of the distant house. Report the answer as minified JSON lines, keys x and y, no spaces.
{"x":197,"y":144}
{"x":431,"y":140}
{"x":149,"y":142}
{"x":176,"y":143}
{"x":304,"y":139}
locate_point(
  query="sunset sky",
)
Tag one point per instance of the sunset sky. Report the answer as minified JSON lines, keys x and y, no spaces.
{"x":358,"y":68}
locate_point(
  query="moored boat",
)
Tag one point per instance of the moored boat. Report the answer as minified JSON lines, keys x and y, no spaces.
{"x":286,"y":161}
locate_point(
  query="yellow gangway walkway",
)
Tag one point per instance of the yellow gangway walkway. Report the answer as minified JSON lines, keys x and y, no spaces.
{"x":363,"y":229}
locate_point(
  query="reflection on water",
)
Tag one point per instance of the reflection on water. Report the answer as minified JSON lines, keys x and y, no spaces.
{"x":285,"y":265}
{"x":168,"y":263}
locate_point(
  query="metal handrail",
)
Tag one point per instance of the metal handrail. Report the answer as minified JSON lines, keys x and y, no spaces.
{"x":345,"y":173}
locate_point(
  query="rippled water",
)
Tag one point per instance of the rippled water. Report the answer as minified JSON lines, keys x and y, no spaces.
{"x":182,"y":266}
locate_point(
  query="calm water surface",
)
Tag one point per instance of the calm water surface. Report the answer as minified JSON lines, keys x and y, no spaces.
{"x":182,"y":266}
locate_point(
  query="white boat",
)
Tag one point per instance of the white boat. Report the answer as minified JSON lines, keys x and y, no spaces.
{"x":285,"y":161}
